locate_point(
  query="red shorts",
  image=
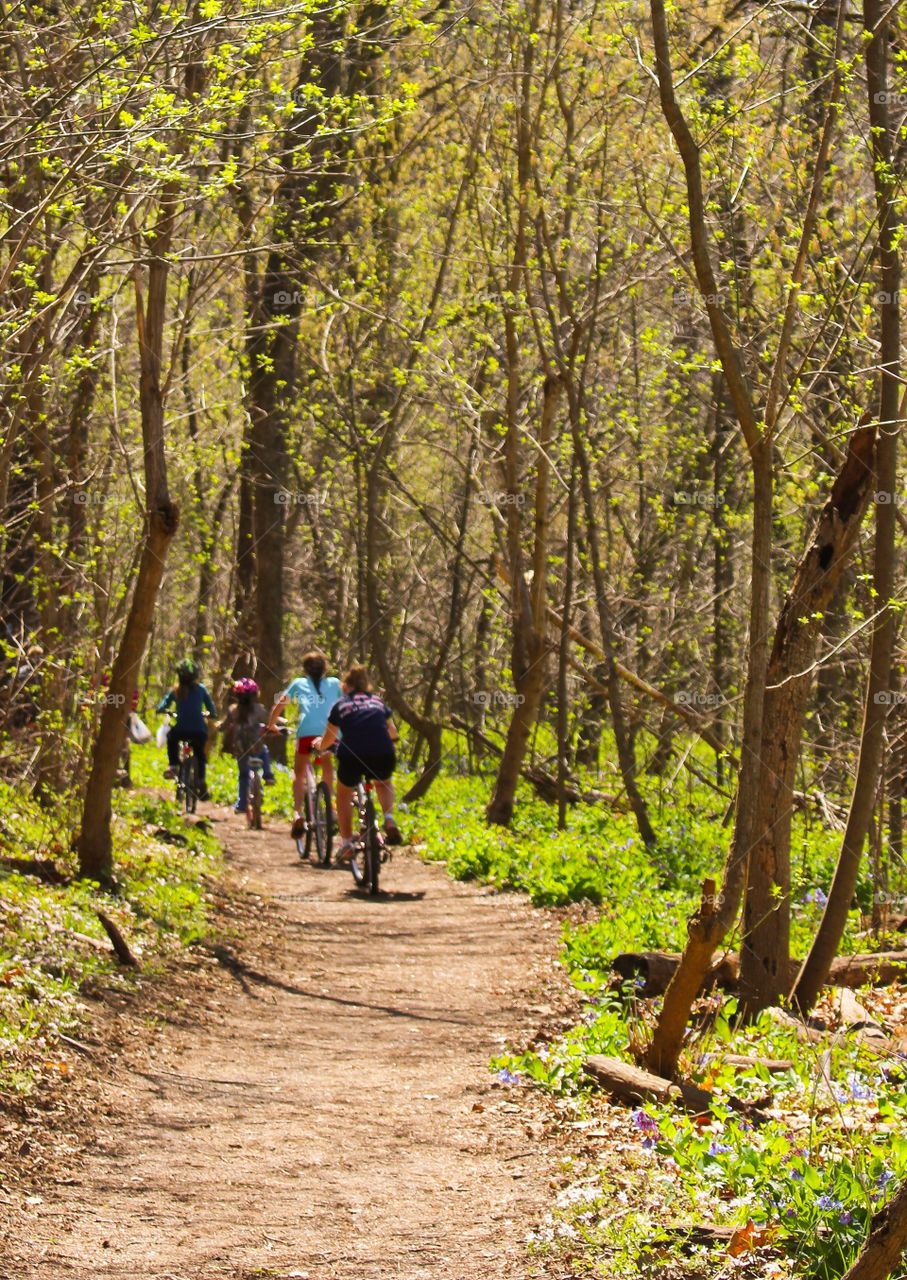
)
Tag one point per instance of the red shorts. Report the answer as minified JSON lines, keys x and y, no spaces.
{"x":304,"y":747}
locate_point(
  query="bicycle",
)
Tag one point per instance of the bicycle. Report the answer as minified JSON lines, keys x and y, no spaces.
{"x":256,"y":788}
{"x":370,"y":849}
{"x":187,"y":778}
{"x":319,"y":818}
{"x":256,"y":793}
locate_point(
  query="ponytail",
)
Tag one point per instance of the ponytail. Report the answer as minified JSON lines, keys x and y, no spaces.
{"x":315,"y":665}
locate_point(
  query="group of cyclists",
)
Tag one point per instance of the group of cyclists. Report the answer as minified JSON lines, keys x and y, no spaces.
{"x":343,"y":716}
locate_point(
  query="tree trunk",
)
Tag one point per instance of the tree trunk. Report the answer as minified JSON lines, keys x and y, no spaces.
{"x":162,"y":518}
{"x":530,"y":624}
{"x":626,"y":756}
{"x":882,"y":1253}
{"x":765,"y":949}
{"x":878,"y":685}
{"x":563,"y":763}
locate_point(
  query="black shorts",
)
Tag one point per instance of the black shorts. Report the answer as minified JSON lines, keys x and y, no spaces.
{"x":352,"y":768}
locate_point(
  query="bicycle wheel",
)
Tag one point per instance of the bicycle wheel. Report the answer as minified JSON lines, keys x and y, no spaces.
{"x":372,"y":851}
{"x":323,"y":824}
{"x":253,"y":804}
{"x":309,"y":816}
{"x":372,"y":858}
{"x":358,"y":860}
{"x":189,"y":770}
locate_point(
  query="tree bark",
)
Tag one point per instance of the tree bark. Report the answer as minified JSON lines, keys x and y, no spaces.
{"x":878,"y":684}
{"x":882,"y":1253}
{"x":708,"y":926}
{"x":529,"y":622}
{"x":162,"y":517}
{"x":765,"y":949}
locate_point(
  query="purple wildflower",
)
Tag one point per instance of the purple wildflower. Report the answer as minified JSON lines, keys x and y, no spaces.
{"x":859,"y":1089}
{"x":508,"y":1077}
{"x":718,"y":1148}
{"x":828,"y":1202}
{"x":845,"y":1218}
{"x":649,"y":1126}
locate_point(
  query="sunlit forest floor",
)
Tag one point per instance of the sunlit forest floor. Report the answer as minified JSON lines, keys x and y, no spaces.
{"x":563,"y":1182}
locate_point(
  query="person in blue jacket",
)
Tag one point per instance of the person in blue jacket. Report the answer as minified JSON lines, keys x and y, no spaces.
{"x":314,"y":693}
{"x":190,"y":700}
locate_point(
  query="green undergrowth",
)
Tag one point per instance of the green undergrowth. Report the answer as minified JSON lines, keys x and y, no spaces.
{"x":794,"y":1183}
{"x":644,"y":897}
{"x":53,"y":948}
{"x":793,"y":1189}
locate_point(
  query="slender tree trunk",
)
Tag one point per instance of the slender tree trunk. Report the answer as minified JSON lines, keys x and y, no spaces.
{"x":161,"y":520}
{"x":717,"y":913}
{"x":563,"y":655}
{"x":765,"y":947}
{"x":530,"y":682}
{"x":626,"y":756}
{"x":878,"y":685}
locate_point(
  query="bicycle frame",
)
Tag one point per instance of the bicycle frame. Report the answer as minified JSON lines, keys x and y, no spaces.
{"x":371,"y":846}
{"x":321,"y":834}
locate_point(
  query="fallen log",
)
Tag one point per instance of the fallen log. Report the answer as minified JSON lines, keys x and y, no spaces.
{"x":632,"y":1084}
{"x":629,"y":1084}
{"x":41,"y":868}
{"x":655,"y":969}
{"x":876,"y":968}
{"x":747,"y":1060}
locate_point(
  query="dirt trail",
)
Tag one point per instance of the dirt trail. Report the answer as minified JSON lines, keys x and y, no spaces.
{"x":332,"y":1116}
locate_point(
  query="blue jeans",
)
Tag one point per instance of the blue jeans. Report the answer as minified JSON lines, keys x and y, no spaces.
{"x":244,"y":773}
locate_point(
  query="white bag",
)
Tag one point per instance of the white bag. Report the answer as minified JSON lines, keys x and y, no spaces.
{"x":138,"y":729}
{"x":163,"y":730}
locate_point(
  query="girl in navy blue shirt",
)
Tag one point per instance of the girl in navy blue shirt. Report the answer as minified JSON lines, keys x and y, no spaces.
{"x":190,"y":699}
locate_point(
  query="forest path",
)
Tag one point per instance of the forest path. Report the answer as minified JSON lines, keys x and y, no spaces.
{"x":330,"y":1117}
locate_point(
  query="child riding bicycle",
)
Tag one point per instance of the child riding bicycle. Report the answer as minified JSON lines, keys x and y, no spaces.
{"x":315,"y":693}
{"x":366,"y":750}
{"x":190,"y":699}
{"x":243,"y":730}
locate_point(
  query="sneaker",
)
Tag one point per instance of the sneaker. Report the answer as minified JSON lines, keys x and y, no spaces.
{"x":239,"y":808}
{"x":345,"y":853}
{"x":297,"y":831}
{"x":392,"y":832}
{"x":204,"y":793}
{"x":169,"y":772}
